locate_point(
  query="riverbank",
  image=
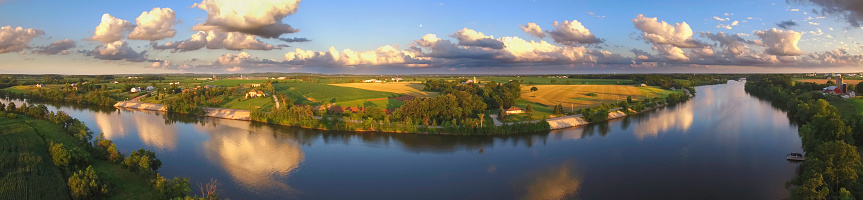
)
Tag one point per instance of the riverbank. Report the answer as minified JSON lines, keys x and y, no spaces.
{"x":223,"y":113}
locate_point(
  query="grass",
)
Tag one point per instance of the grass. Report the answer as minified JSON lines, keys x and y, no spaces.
{"x":653,"y":91}
{"x":847,"y":107}
{"x":576,"y":96}
{"x":244,"y":104}
{"x":406,"y":88}
{"x":27,"y":169}
{"x":307,"y":93}
{"x":123,"y":183}
{"x":234,"y":82}
{"x":385,"y":103}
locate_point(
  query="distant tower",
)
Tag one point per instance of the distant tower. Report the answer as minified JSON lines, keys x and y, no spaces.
{"x":840,"y":84}
{"x":474,"y":80}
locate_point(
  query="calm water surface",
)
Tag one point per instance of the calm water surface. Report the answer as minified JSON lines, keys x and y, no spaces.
{"x":723,"y":144}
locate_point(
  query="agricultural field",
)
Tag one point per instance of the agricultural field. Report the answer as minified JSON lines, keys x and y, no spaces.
{"x":234,"y":82}
{"x":557,"y":81}
{"x":406,"y":88}
{"x":824,"y":81}
{"x":388,"y":103}
{"x":315,"y":94}
{"x":579,"y":96}
{"x":28,"y":170}
{"x":245,"y":104}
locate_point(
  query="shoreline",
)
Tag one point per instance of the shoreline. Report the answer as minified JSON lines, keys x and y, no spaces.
{"x":556,"y":123}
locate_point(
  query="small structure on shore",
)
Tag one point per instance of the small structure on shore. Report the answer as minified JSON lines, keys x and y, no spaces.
{"x":514,"y":110}
{"x":255,"y":93}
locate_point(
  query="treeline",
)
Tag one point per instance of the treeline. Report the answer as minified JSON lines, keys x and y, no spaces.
{"x":194,"y":101}
{"x":76,"y":160}
{"x":92,"y":97}
{"x":832,"y":168}
{"x":600,"y":113}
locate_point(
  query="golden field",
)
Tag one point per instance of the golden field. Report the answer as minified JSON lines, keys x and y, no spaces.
{"x":576,"y":95}
{"x":823,"y":81}
{"x":406,"y":88}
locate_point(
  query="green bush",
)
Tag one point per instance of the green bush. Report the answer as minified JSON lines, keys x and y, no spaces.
{"x":86,"y":185}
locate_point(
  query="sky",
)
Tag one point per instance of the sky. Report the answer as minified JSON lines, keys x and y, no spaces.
{"x":430,"y":37}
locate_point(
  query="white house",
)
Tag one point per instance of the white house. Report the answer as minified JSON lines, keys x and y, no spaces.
{"x":514,"y":110}
{"x":151,"y":88}
{"x":136,"y":89}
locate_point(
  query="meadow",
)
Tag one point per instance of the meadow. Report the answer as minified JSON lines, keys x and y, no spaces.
{"x":234,"y":82}
{"x":824,"y":81}
{"x":406,"y":88}
{"x":313,"y":93}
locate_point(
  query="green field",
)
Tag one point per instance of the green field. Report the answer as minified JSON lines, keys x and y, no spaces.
{"x":312,"y":93}
{"x":245,"y":104}
{"x":853,"y":105}
{"x":28,"y":171}
{"x":233,"y":82}
{"x":653,"y":91}
{"x":386,"y":103}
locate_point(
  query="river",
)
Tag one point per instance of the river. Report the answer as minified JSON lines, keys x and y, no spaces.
{"x":722,"y":144}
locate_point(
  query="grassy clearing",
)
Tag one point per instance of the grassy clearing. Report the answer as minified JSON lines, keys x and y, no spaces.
{"x":322,"y":93}
{"x":653,"y":91}
{"x":824,"y":81}
{"x":245,"y":104}
{"x":27,"y":169}
{"x":406,"y":88}
{"x":124,"y":184}
{"x":576,"y":96}
{"x":386,"y":103}
{"x":852,"y":105}
{"x":234,"y":82}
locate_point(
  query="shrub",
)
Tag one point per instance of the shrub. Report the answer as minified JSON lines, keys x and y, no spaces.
{"x":86,"y":185}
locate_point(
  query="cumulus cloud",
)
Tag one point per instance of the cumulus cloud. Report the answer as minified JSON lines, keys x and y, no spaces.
{"x":154,"y":25}
{"x":470,"y":37}
{"x":533,"y":29}
{"x":836,"y":57}
{"x":17,"y":39}
{"x":111,"y":29}
{"x":118,"y":50}
{"x":57,"y":47}
{"x":653,"y":31}
{"x":733,"y":44}
{"x":262,"y":18}
{"x":217,"y":40}
{"x":850,"y":10}
{"x":572,"y":33}
{"x":386,"y":55}
{"x":779,"y":42}
{"x":295,"y":39}
{"x":228,"y":59}
{"x":786,"y":24}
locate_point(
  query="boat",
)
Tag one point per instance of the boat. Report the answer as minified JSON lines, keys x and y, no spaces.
{"x":795,"y":157}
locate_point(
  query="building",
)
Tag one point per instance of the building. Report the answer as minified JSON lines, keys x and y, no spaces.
{"x":136,"y":89}
{"x":256,"y":85}
{"x":514,"y":110}
{"x":40,"y":85}
{"x":151,"y":88}
{"x":397,"y":79}
{"x":255,"y":93}
{"x":832,"y":90}
{"x":372,"y":81}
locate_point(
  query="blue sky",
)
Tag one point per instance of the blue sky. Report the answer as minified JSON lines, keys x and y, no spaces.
{"x":366,"y":26}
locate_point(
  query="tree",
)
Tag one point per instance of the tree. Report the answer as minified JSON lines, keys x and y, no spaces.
{"x":529,"y":108}
{"x":831,"y":83}
{"x":558,"y":109}
{"x":534,"y":89}
{"x":811,"y":189}
{"x":86,"y":184}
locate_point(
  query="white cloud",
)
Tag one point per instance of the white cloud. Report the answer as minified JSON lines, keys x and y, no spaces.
{"x":118,"y":50}
{"x":533,"y":29}
{"x":228,"y":59}
{"x":814,"y":23}
{"x":218,"y":40}
{"x":262,"y":18}
{"x":57,"y":47}
{"x":779,"y":42}
{"x":17,"y":39}
{"x":572,"y":33}
{"x":470,"y":37}
{"x":386,"y":55}
{"x":111,"y":29}
{"x":155,"y":25}
{"x":720,"y":19}
{"x":678,"y":35}
{"x":850,"y":10}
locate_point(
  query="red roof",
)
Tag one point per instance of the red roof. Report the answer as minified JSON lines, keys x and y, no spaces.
{"x":513,"y":109}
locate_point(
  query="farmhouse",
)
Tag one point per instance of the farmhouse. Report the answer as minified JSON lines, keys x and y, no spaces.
{"x":255,"y":93}
{"x":150,"y":88}
{"x":40,"y":85}
{"x":256,"y":85}
{"x":514,"y":110}
{"x":136,"y":89}
{"x":372,"y":81}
